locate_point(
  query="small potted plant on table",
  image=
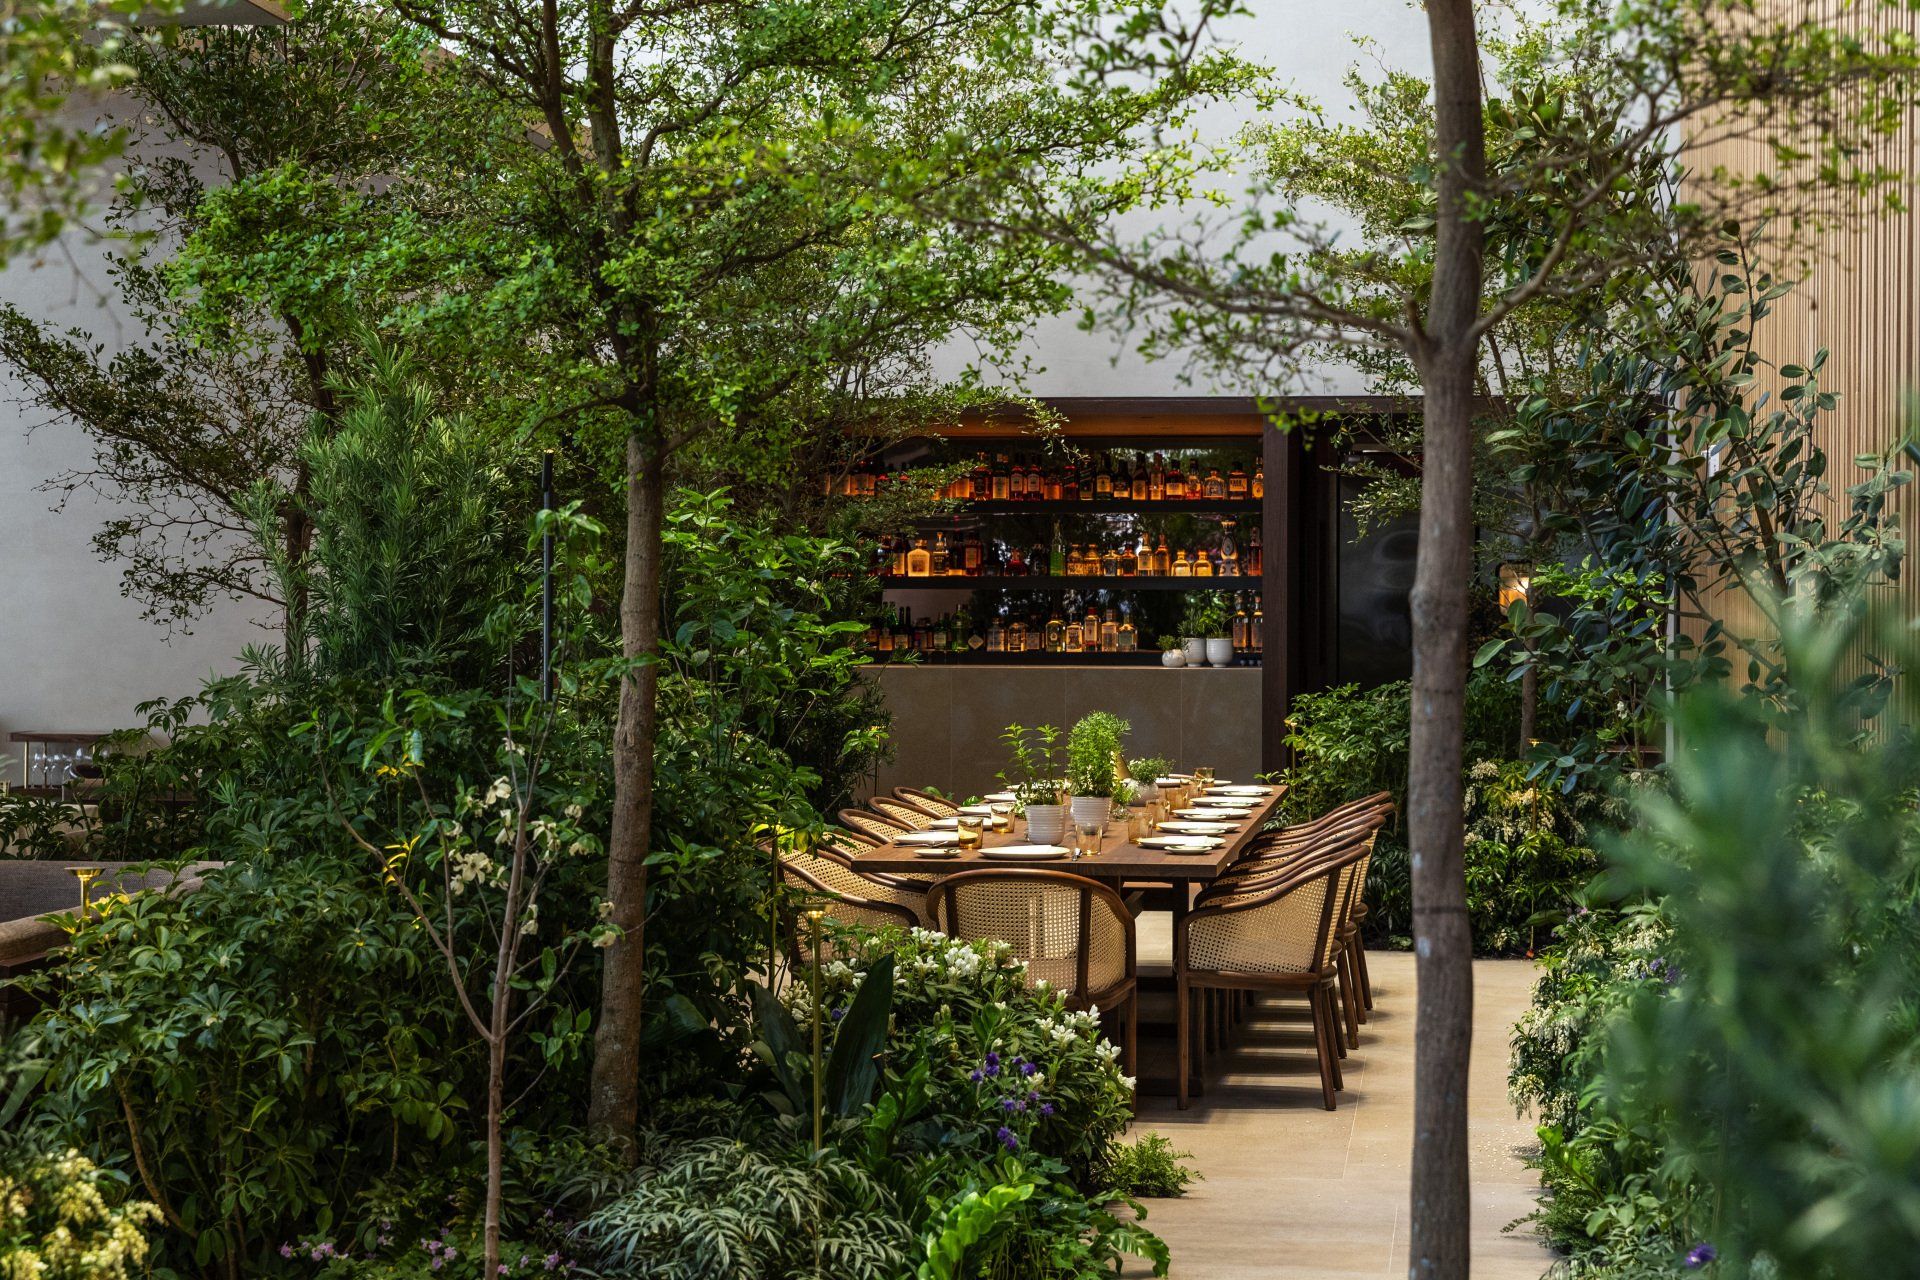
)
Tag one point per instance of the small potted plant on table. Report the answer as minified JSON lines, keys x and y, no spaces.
{"x":1034,"y":778}
{"x":1092,"y":780}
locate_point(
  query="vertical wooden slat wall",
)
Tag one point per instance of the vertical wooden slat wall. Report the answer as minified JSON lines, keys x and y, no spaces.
{"x":1856,"y":298}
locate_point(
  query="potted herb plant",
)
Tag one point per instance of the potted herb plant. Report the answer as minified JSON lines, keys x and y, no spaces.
{"x":1172,"y":652}
{"x":1092,"y":779}
{"x":1147,"y":772}
{"x":1205,"y":630}
{"x":1034,"y":778}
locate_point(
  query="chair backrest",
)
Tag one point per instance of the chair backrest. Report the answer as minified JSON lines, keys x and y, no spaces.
{"x":1288,"y":927}
{"x":1073,"y":933}
{"x":847,"y":895}
{"x":929,"y":803}
{"x":867,"y":823}
{"x":912,"y":817}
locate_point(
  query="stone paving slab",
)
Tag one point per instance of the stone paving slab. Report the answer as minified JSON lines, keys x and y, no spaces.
{"x":1293,"y":1190}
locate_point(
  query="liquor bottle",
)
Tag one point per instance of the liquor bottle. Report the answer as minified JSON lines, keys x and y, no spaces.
{"x":903,"y":630}
{"x":1182,"y":568}
{"x":1109,"y":634}
{"x":1213,"y":489}
{"x":1056,"y":633}
{"x":1176,"y":483}
{"x":919,"y":562}
{"x":1258,"y":625}
{"x":1157,"y":481}
{"x":1118,"y":486}
{"x":1017,"y":636}
{"x":1110,"y":563}
{"x":1256,"y":562}
{"x":1036,"y":482}
{"x":971,"y":556}
{"x":940,"y":565}
{"x":871,"y":640}
{"x":1072,"y":638}
{"x":1236,"y":484}
{"x":996,"y":636}
{"x":981,"y":479}
{"x":1129,"y":561}
{"x":1016,"y":566}
{"x":921,"y":644}
{"x":1202,"y":564}
{"x":1137,"y":481}
{"x":1258,"y":489}
{"x":1053,"y":484}
{"x":1090,"y":476}
{"x":902,"y":549}
{"x":1126,"y":637}
{"x":1103,"y":480}
{"x":1070,"y":484}
{"x":1000,"y":478}
{"x":1017,"y":481}
{"x":1057,"y":559}
{"x":1162,"y":561}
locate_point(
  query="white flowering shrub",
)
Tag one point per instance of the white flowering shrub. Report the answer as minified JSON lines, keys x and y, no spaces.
{"x":1007,"y":1067}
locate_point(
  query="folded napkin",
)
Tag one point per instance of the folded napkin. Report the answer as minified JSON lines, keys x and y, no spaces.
{"x":1180,"y":844}
{"x":927,"y":837}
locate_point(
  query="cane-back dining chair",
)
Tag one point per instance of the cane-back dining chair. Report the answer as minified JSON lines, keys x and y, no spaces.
{"x":911,"y":815}
{"x":868,"y":823}
{"x":1073,"y":933}
{"x":924,"y":800}
{"x":1281,"y":938}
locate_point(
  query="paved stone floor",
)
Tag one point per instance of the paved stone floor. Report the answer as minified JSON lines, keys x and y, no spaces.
{"x":1293,"y":1190}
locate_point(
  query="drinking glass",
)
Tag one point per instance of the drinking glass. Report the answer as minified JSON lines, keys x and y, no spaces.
{"x":1002,"y":815}
{"x":969,"y":826}
{"x":1090,"y":833}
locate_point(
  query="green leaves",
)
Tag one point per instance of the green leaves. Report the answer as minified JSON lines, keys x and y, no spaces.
{"x":854,"y":1070}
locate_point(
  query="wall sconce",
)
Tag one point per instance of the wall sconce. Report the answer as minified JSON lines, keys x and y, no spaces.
{"x":1516,"y":579}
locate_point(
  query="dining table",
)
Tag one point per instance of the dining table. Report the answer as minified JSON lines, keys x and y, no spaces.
{"x":1119,"y":861}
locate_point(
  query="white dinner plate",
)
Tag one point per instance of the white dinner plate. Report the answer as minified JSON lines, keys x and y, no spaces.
{"x":1173,"y":780}
{"x":1181,"y":844}
{"x":944,"y":824}
{"x":1246,"y":791}
{"x":980,"y":809}
{"x":1025,"y":852}
{"x":1198,"y":828}
{"x":927,"y":837}
{"x":1225,"y":802}
{"x":1214,"y":812}
{"x":1004,"y":797}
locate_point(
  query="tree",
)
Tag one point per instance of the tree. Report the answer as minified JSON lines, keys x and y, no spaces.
{"x":694,"y":244}
{"x":1279,"y":288}
{"x":232,"y":376}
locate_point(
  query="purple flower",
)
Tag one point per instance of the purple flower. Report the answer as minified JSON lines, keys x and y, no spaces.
{"x":451,"y":1254}
{"x":502,"y":1268}
{"x":1028,"y":1068}
{"x":437,"y":1263}
{"x":993,"y":1064}
{"x":1007,"y":1138}
{"x":286,"y":1251}
{"x":553,"y":1260}
{"x":839,"y":1014}
{"x":1046,"y":1108}
{"x":1700,"y":1255}
{"x":1009,"y":1104}
{"x":974,"y":1075}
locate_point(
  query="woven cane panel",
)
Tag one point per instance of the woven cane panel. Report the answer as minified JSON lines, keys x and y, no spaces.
{"x":1342,"y":902}
{"x":901,"y":813}
{"x":933,"y":804}
{"x":871,"y":824}
{"x":1041,"y":922}
{"x":845,"y":880}
{"x":1276,"y":938}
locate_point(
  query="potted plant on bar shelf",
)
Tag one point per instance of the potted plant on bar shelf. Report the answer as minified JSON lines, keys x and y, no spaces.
{"x":1205,"y":630}
{"x":1034,"y":778}
{"x":1093,"y":779}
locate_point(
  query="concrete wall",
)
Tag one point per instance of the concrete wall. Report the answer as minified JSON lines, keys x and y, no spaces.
{"x":947,"y":721}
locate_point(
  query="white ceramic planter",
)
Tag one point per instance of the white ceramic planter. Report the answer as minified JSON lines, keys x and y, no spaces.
{"x":1046,"y":823}
{"x":1195,"y":650}
{"x":1145,"y":792}
{"x":1220,"y":651}
{"x":1173,"y":658}
{"x":1091,"y":809}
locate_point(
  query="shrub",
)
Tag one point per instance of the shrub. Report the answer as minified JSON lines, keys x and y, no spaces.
{"x":1149,"y":1166}
{"x":1093,"y":745}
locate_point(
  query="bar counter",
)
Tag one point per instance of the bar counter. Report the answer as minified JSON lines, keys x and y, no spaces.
{"x":947,"y":719}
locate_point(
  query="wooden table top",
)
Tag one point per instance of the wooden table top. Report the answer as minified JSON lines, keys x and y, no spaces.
{"x":1118,"y":859}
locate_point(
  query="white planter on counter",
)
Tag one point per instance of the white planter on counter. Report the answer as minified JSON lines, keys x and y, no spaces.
{"x":1173,"y":658}
{"x":1195,"y":650}
{"x":1220,"y":651}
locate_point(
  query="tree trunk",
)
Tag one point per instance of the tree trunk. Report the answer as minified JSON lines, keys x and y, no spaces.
{"x":1529,"y":707}
{"x":613,"y":1106}
{"x":1443,"y":943}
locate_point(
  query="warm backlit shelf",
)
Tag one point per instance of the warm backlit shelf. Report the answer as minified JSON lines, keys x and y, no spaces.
{"x":1035,"y":582}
